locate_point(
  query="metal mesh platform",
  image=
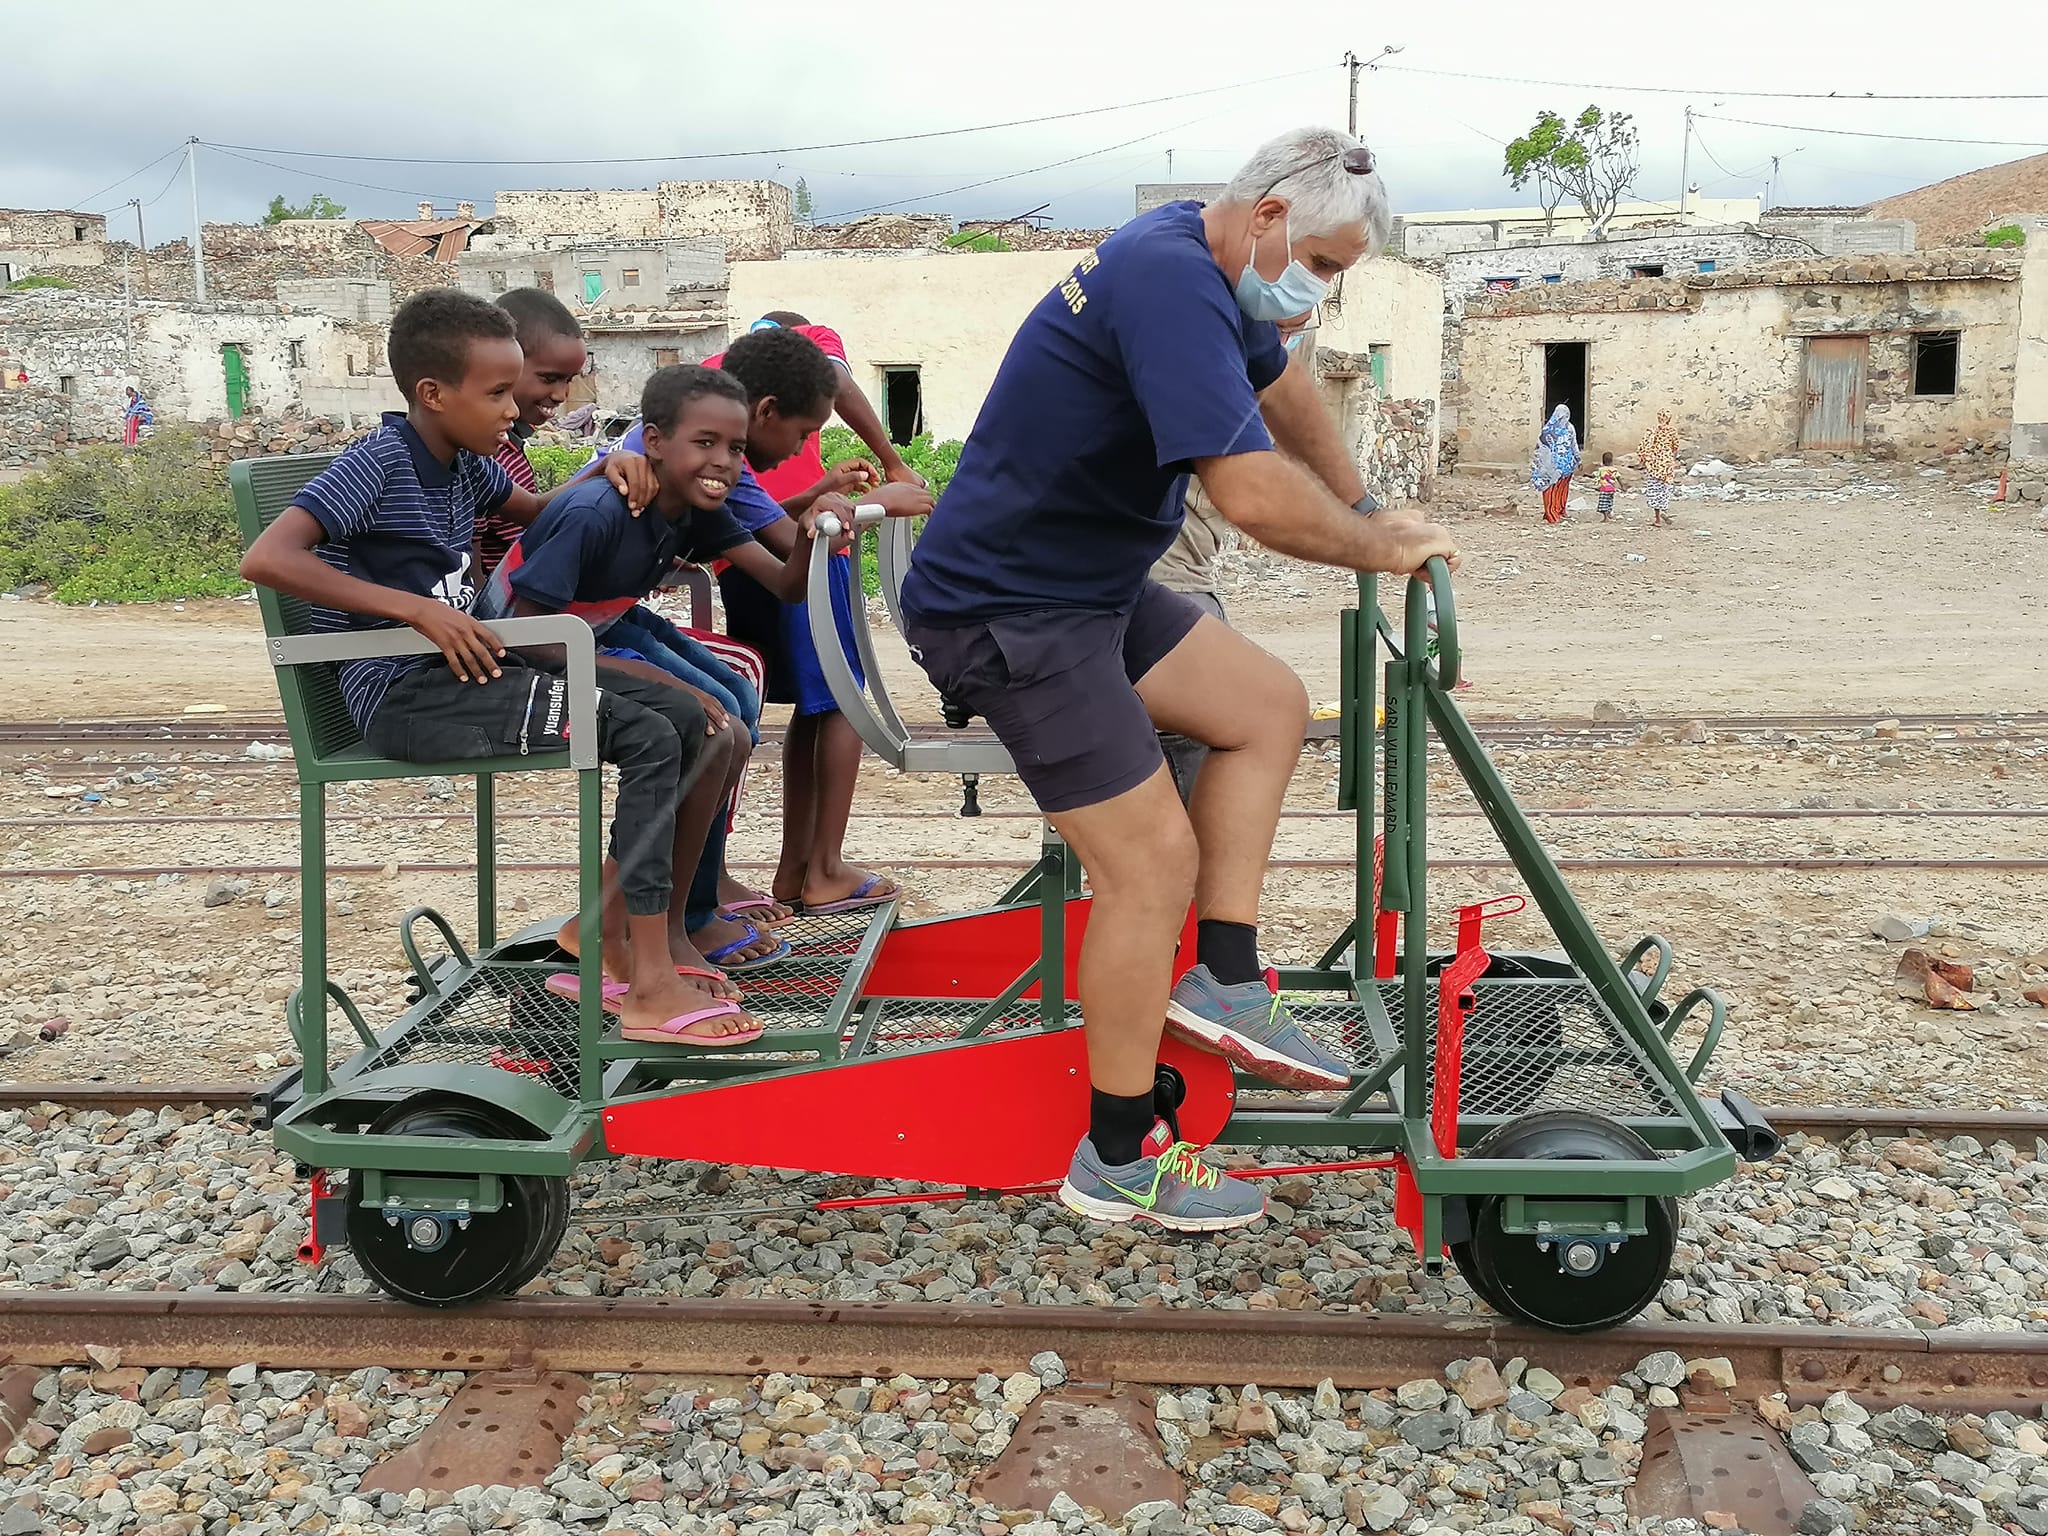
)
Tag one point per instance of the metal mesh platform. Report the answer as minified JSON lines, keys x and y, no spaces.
{"x":1543,"y":1044}
{"x":502,"y":1015}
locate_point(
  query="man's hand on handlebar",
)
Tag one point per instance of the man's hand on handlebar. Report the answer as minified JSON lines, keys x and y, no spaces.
{"x":1415,"y":543}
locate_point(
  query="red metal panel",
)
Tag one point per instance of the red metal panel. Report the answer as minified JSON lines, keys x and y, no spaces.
{"x":978,"y":954}
{"x":991,"y":1114}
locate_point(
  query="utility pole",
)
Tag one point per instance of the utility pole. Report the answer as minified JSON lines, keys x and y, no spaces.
{"x":141,"y":244}
{"x":1356,"y":65}
{"x":1169,"y":165}
{"x":1771,"y":192}
{"x":198,"y":229}
{"x":1685,"y":165}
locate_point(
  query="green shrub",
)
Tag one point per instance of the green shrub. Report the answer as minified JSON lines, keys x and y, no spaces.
{"x":935,"y":461}
{"x":123,"y":526}
{"x":38,"y":280}
{"x":552,"y":464}
{"x":2006,"y":236}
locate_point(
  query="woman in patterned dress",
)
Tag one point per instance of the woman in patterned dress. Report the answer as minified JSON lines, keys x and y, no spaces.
{"x":1660,"y":466}
{"x":1551,"y":467}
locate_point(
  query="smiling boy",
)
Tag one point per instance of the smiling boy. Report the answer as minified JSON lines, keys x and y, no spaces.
{"x":382,"y":537}
{"x":588,"y":555}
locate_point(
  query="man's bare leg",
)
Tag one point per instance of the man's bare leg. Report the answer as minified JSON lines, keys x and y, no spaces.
{"x":1218,"y":688}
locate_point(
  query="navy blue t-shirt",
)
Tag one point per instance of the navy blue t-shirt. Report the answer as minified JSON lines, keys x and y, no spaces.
{"x":1137,"y":364}
{"x":587,"y":554}
{"x":396,"y":515}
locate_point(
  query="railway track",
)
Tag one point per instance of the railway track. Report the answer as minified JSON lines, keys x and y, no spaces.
{"x":1962,"y":1371}
{"x":1559,"y":730}
{"x":1808,"y":862}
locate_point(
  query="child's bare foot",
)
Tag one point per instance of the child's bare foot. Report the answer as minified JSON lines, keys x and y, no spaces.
{"x":693,"y":967}
{"x":736,"y":901}
{"x":678,"y":1010}
{"x":618,"y":957}
{"x":729,"y":941}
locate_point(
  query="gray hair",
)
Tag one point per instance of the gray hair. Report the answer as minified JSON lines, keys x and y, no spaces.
{"x":1305,"y":166}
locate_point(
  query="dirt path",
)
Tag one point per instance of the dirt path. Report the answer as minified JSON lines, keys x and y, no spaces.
{"x":1813,"y":589}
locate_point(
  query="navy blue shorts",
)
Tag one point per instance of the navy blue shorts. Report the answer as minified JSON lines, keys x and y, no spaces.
{"x":781,"y":632}
{"x":1059,"y":689}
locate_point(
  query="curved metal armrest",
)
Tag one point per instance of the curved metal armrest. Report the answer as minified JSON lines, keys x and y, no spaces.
{"x":566,"y":630}
{"x":891,"y":746}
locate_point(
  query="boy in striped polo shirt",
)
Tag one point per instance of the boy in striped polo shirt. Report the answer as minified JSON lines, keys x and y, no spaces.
{"x":383,"y":537}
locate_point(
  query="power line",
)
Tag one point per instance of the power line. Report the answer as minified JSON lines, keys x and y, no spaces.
{"x":1684,"y":90}
{"x":1861,"y":133}
{"x":1716,"y":159}
{"x":169,"y":182}
{"x":85,"y":202}
{"x":340,"y":181}
{"x":990,"y":181}
{"x":788,"y":149}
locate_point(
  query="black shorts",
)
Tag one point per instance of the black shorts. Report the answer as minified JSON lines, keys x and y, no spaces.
{"x":1058,"y":687}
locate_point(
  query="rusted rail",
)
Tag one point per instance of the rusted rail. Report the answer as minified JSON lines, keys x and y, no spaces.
{"x":1157,"y":1345}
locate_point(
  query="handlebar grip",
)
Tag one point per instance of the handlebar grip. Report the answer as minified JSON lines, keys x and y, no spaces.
{"x":830,"y":527}
{"x":1447,"y":658}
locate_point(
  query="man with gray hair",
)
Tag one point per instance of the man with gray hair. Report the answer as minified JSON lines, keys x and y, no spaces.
{"x":1028,"y":600}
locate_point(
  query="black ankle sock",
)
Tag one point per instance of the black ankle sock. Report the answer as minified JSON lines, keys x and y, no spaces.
{"x":1230,"y":950}
{"x":1118,"y":1127}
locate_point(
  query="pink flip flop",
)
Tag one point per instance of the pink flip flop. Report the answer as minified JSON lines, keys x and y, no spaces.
{"x":677,"y":1030}
{"x":570,"y":985}
{"x":758,"y":904}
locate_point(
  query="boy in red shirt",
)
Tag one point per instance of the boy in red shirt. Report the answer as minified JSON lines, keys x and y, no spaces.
{"x":821,"y":755}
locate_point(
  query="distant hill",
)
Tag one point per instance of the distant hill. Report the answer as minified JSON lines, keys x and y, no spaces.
{"x":1954,"y":212}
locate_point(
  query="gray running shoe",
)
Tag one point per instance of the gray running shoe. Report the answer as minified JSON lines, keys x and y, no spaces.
{"x":1169,"y":1185}
{"x":1246,"y":1025}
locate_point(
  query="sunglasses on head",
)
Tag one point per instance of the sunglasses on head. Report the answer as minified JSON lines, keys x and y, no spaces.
{"x":1357,"y":161}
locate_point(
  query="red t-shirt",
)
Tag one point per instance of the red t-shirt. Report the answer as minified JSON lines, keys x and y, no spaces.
{"x":806,"y":467}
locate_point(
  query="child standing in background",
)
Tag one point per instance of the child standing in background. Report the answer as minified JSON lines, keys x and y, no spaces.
{"x":1610,"y":483}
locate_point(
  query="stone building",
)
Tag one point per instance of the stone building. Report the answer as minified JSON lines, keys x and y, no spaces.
{"x":618,"y":273}
{"x":224,"y":359}
{"x":50,"y":241}
{"x":754,"y":218}
{"x":1905,"y":356}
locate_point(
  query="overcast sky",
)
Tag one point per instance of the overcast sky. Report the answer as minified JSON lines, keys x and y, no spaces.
{"x":92,"y":98}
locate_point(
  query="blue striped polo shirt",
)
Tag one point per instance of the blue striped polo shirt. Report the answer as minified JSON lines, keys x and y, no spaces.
{"x":396,"y":515}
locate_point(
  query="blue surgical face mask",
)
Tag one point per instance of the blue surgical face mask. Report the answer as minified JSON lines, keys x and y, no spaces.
{"x":1295,"y":291}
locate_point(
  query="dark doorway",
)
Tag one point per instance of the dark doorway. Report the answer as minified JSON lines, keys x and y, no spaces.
{"x":1564,"y":382}
{"x":903,"y":403}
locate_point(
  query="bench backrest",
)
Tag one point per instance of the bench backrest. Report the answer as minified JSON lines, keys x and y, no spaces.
{"x":313,"y":709}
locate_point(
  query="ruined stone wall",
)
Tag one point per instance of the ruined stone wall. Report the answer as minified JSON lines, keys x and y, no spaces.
{"x":632,"y":214}
{"x":253,"y":272}
{"x":35,"y":421}
{"x":1400,"y":464}
{"x":754,"y":218}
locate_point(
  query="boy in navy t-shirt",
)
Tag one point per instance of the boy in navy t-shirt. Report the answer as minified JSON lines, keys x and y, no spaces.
{"x":588,"y":555}
{"x":382,"y":538}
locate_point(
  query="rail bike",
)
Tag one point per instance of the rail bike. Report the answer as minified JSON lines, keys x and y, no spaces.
{"x":1532,"y":1105}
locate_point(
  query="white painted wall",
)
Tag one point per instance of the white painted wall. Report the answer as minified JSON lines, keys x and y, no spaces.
{"x":954,"y":314}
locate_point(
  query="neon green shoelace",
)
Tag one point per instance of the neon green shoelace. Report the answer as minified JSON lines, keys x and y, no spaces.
{"x":1182,"y":1161}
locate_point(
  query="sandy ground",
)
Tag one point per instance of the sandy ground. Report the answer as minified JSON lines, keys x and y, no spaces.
{"x":1808,"y":590}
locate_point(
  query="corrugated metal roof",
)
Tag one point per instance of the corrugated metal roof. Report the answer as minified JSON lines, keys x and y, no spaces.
{"x":442,"y":239}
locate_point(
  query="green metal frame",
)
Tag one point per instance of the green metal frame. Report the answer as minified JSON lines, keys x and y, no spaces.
{"x":322,"y":1120}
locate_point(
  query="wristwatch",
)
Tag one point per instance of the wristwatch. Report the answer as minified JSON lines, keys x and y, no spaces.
{"x":1366,"y":505}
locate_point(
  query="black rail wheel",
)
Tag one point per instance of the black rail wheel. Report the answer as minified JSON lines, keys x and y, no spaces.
{"x":1568,"y":1284}
{"x":435,"y":1260}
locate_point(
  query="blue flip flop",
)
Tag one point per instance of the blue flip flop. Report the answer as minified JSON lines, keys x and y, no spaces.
{"x":718,"y":958}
